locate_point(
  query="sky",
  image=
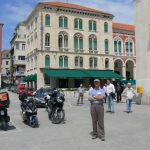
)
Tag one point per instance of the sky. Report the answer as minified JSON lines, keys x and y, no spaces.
{"x":14,"y":11}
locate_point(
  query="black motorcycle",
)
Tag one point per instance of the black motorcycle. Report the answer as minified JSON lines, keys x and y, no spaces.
{"x":54,"y":104}
{"x":4,"y":104}
{"x":29,"y":110}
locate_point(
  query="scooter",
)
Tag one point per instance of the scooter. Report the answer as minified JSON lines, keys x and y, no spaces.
{"x":54,"y":103}
{"x":4,"y":104}
{"x":28,"y":110}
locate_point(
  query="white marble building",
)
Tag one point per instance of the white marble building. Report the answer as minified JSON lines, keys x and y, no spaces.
{"x":142,"y":22}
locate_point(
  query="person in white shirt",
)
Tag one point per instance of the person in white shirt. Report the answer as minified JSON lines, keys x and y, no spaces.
{"x":81,"y":94}
{"x":129,"y":93}
{"x":90,"y":88}
{"x":110,"y":96}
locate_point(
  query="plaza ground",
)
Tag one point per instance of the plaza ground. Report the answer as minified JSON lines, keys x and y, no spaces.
{"x":123,"y":131}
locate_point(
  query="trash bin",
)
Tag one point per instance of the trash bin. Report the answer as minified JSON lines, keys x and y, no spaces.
{"x":139,"y":95}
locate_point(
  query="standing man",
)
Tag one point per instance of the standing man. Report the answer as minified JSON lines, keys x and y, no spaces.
{"x":129,"y":93}
{"x":96,"y":98}
{"x":110,"y":96}
{"x":118,"y":91}
{"x":80,"y":94}
{"x":105,"y":90}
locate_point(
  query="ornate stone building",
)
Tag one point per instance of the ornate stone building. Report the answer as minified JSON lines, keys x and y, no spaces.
{"x":124,"y":50}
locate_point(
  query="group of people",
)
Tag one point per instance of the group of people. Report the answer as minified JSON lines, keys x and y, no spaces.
{"x":97,"y":97}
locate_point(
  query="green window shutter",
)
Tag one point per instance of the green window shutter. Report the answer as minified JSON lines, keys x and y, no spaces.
{"x":90,"y":44}
{"x":60,"y":61}
{"x":105,"y":27}
{"x":81,"y":43}
{"x":94,"y":26}
{"x":47,"y":61}
{"x":127,"y":47}
{"x":65,"y":22}
{"x":131,"y":47}
{"x":95,"y":62}
{"x":119,"y":46}
{"x":76,"y":61}
{"x":60,"y":22}
{"x":80,"y":24}
{"x":75,"y":42}
{"x":90,"y":25}
{"x":66,"y":61}
{"x":95,"y":44}
{"x":47,"y":20}
{"x":106,"y":45}
{"x":115,"y":46}
{"x":81,"y":61}
{"x":65,"y":41}
{"x":75,"y":23}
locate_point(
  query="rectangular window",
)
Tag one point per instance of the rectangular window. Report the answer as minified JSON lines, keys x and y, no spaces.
{"x":60,"y":22}
{"x":23,"y":46}
{"x":81,"y":43}
{"x":75,"y":23}
{"x":76,"y":43}
{"x":17,"y":45}
{"x":94,"y":26}
{"x":95,"y":44}
{"x":21,"y":57}
{"x":90,"y":44}
{"x":90,"y":26}
{"x":65,"y":23}
{"x":80,"y":25}
{"x":7,"y":62}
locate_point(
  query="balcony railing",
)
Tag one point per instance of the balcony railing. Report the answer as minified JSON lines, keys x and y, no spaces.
{"x":93,"y":51}
{"x":78,"y":50}
{"x":64,"y":49}
{"x":106,"y":52}
{"x":118,"y":54}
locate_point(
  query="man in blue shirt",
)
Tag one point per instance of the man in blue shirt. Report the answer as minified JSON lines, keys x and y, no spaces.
{"x":97,"y":96}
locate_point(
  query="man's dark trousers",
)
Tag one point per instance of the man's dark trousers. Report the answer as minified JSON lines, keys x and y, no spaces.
{"x":97,"y":113}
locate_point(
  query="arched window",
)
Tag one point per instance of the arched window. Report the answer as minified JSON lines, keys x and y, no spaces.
{"x":63,"y":22}
{"x":105,"y":27}
{"x":78,"y":41}
{"x":47,"y":39}
{"x":106,"y":45}
{"x":117,"y":45}
{"x":47,"y":20}
{"x":129,"y":46}
{"x":106,"y":63}
{"x":78,"y":23}
{"x":92,"y":25}
{"x":92,"y":42}
{"x":63,"y":40}
{"x":93,"y":62}
{"x":47,"y":61}
{"x":63,"y":61}
{"x":79,"y":61}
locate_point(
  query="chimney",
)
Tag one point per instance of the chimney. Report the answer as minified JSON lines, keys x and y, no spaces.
{"x":1,"y":26}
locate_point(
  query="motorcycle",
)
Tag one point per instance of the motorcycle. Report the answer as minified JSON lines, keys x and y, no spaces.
{"x":4,"y":104}
{"x":54,"y":105}
{"x":28,"y":110}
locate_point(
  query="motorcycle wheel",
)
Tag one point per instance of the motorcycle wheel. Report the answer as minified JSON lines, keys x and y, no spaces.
{"x":34,"y":122}
{"x":58,"y":117}
{"x":4,"y":125}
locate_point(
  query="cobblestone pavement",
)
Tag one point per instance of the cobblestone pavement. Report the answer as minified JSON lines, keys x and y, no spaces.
{"x":123,"y":131}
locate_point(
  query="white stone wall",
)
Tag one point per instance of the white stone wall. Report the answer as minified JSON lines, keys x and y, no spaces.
{"x":142,"y":21}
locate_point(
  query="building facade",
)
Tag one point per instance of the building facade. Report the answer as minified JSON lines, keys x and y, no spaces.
{"x":142,"y":22}
{"x":17,"y":54}
{"x":68,"y":36}
{"x":5,"y":66}
{"x":124,"y":50}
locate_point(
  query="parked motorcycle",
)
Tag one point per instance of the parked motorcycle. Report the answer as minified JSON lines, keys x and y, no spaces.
{"x":54,"y":104}
{"x":29,"y":110}
{"x":4,"y":104}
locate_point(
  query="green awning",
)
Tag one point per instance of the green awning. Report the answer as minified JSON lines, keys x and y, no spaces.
{"x":30,"y":78}
{"x":73,"y":73}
